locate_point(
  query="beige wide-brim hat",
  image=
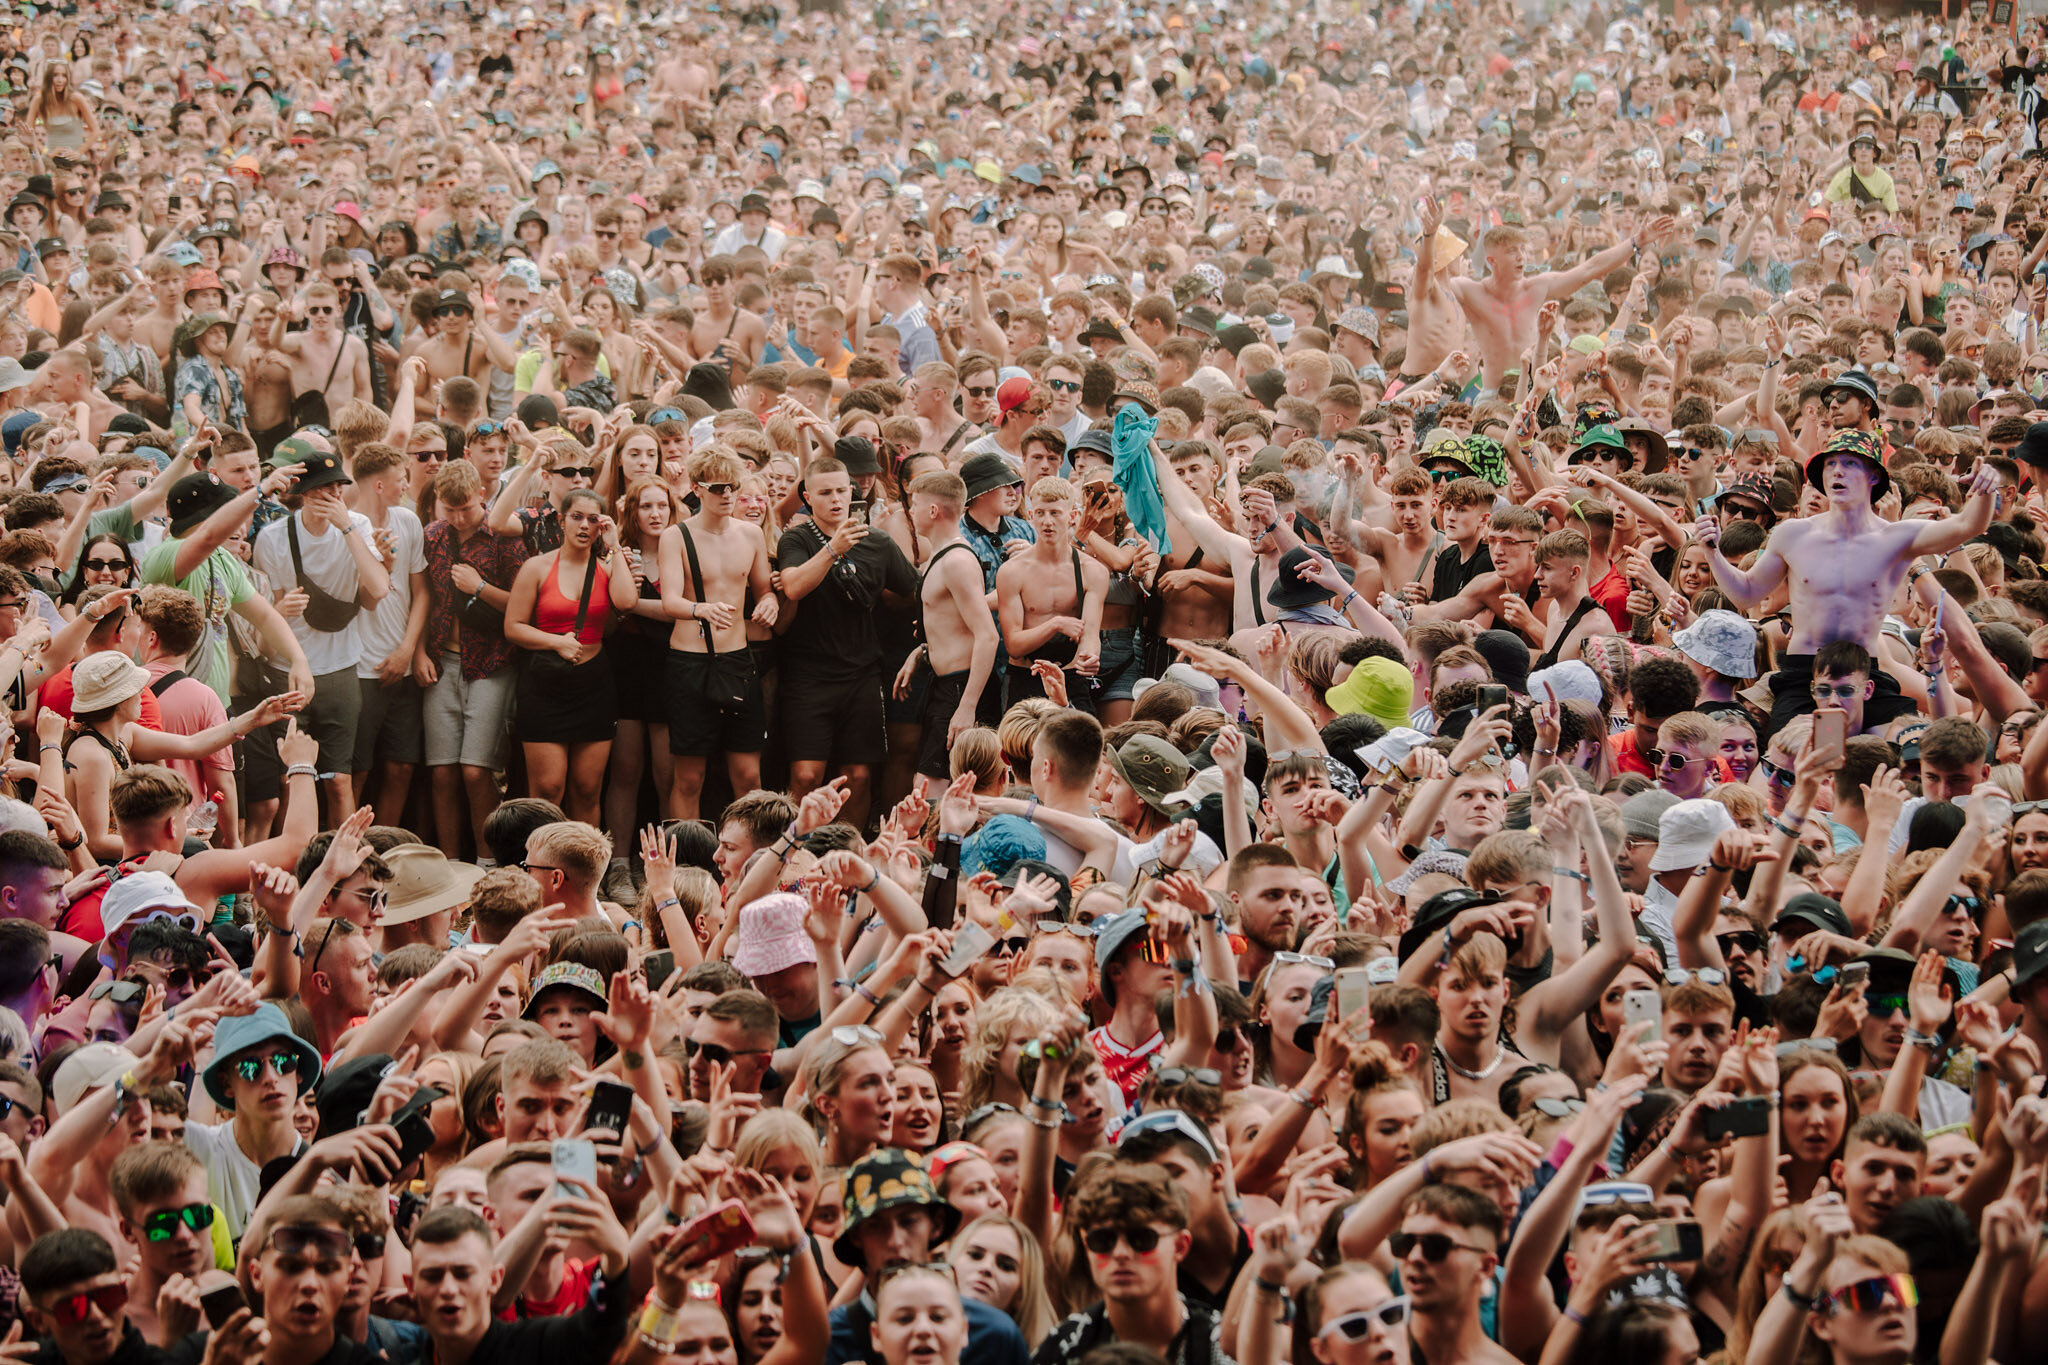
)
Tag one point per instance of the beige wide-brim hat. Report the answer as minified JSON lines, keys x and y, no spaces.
{"x":102,"y":681}
{"x":425,"y":882}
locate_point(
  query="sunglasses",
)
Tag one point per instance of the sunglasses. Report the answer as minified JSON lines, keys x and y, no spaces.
{"x":986,"y":1111}
{"x":369,"y":1245}
{"x":1010,"y":947}
{"x":975,"y":392}
{"x":1871,"y":1295}
{"x":106,"y":565}
{"x":853,"y":1035}
{"x":1672,"y":763}
{"x":717,"y":490}
{"x":717,"y":1055}
{"x":431,"y":453}
{"x":1434,"y":1245}
{"x":1749,"y":940}
{"x":319,"y":311}
{"x":1706,"y":976}
{"x":577,"y":471}
{"x":1357,"y":1326}
{"x":1102,"y":1241}
{"x":120,"y":992}
{"x":1558,"y":1109}
{"x":325,"y":1244}
{"x":1885,"y":1006}
{"x":74,"y":1309}
{"x":1616,"y":1192}
{"x":1311,"y":959}
{"x":162,"y":1225}
{"x":1778,"y":773}
{"x":1181,"y":1075}
{"x":486,"y":427}
{"x":1063,"y":385}
{"x":283,"y":1063}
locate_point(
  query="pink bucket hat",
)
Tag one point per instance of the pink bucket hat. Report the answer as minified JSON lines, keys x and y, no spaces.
{"x":772,"y":937}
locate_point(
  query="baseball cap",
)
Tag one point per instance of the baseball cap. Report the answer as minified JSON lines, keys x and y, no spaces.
{"x":1012,"y":394}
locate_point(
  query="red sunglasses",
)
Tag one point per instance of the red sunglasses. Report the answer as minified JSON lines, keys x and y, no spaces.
{"x":73,"y":1309}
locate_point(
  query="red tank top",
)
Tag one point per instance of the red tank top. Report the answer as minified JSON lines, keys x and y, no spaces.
{"x":554,"y":609}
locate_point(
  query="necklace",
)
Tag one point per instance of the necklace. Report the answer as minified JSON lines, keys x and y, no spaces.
{"x":1500,"y":1055}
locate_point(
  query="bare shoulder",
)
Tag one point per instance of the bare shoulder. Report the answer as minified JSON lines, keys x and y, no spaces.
{"x":1094,"y":572}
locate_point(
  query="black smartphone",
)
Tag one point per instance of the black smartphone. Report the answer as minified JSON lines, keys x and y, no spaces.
{"x":221,"y":1303}
{"x":1677,"y":1239}
{"x":177,"y":203}
{"x":415,"y":1127}
{"x":660,"y":966}
{"x":1490,"y":696}
{"x":611,"y":1108}
{"x":1743,"y":1118}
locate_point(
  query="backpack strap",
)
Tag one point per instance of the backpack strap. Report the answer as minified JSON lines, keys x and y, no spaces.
{"x":696,"y":577}
{"x":167,"y":682}
{"x":583,"y":601}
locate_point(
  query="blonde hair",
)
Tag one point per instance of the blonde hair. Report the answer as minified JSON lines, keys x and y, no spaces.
{"x":1018,"y":730}
{"x":1455,"y":1119}
{"x":582,"y":850}
{"x":1031,"y":1310}
{"x":978,"y":751}
{"x":823,"y":1070}
{"x":997,"y":1018}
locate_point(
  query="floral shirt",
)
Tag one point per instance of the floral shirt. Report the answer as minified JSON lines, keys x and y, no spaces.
{"x":228,"y":411}
{"x":498,"y":559}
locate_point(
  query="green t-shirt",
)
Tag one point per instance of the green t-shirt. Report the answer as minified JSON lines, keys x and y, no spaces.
{"x":117,"y":521}
{"x":220,"y":583}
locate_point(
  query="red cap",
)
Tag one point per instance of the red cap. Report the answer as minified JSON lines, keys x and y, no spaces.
{"x":1013,"y":394}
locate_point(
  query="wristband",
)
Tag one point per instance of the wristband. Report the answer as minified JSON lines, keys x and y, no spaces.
{"x":1050,"y":1106}
{"x":876,"y":877}
{"x":1308,"y":1102}
{"x":1806,"y":1302}
{"x":1574,"y":874}
{"x":73,"y":846}
{"x":48,"y":747}
{"x":302,"y":770}
{"x":1789,"y":829}
{"x":860,"y":989}
{"x":1183,"y":964}
{"x":1931,"y":1042}
{"x":1575,"y":1316}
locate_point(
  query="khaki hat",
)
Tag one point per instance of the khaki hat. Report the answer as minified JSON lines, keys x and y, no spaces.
{"x":424,"y":882}
{"x":104,"y":680}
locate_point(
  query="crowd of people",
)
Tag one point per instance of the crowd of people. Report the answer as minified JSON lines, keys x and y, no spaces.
{"x":1118,"y":686}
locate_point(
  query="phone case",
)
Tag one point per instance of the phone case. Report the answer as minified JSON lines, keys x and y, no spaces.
{"x":1638,"y":1006}
{"x":721,"y":1230}
{"x":573,"y":1157}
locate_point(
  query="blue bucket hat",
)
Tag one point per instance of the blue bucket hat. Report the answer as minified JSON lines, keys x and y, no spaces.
{"x":15,"y":426}
{"x":1000,"y":844}
{"x":239,"y":1033}
{"x":181,"y":253}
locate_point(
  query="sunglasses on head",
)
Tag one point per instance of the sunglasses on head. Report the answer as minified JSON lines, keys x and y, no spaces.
{"x":486,"y":427}
{"x":1357,"y":1326}
{"x":1102,"y":1241}
{"x":73,"y":1309}
{"x":853,"y":1035}
{"x":284,"y":1062}
{"x":1181,"y":1075}
{"x":1433,"y":1245}
{"x":1558,"y":1109}
{"x":1706,"y":976}
{"x":1311,"y":959}
{"x":314,"y":1241}
{"x":162,"y":1225}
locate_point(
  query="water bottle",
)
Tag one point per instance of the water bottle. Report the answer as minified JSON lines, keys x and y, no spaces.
{"x":203,"y":820}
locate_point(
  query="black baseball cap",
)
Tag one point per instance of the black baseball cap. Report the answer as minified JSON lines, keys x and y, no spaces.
{"x":2029,"y":953}
{"x":193,"y":499}
{"x":1814,"y":911}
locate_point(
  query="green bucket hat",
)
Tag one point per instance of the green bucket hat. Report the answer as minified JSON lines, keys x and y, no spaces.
{"x":1603,"y":436}
{"x":888,"y":1178}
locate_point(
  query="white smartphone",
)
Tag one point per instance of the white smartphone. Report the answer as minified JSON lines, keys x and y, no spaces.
{"x":1640,"y":1006}
{"x":576,"y":1157}
{"x":1354,"y":993}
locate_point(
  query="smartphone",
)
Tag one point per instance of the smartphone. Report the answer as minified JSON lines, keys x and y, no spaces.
{"x":610,"y":1108}
{"x":660,"y":966}
{"x":415,"y":1126}
{"x":1677,"y":1239}
{"x":1744,"y":1118}
{"x":1354,"y":993}
{"x":573,"y":1157}
{"x":1830,"y":735}
{"x":1852,"y":976}
{"x":1643,"y":1006}
{"x":221,"y":1303}
{"x":1490,"y":696}
{"x":720,"y":1231}
{"x":970,"y":944}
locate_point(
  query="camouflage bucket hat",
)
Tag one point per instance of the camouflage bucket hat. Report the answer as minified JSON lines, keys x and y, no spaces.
{"x":885,"y":1179}
{"x":1592,"y":415}
{"x":1865,"y":446}
{"x":1488,"y":459}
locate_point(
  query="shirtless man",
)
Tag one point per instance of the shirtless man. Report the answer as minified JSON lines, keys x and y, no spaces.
{"x":1502,"y":308}
{"x":1844,"y":567}
{"x":724,"y":332}
{"x":1398,"y":554}
{"x":1500,"y":596}
{"x":1435,"y":326}
{"x":323,"y":357}
{"x":156,"y":328}
{"x":1568,"y":612}
{"x":67,"y":378}
{"x":1049,"y":600}
{"x":266,"y":379}
{"x":1194,"y":587}
{"x":1253,"y":558}
{"x":709,"y":616}
{"x":457,"y":348}
{"x":960,"y":637}
{"x":942,"y":431}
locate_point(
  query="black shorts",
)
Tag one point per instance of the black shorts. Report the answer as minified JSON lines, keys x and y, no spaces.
{"x":941,"y":699}
{"x":835,"y":720}
{"x":697,"y":728}
{"x":1792,"y":696}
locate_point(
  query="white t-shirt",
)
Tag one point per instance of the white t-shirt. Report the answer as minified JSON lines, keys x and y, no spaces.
{"x":383,"y":626}
{"x":328,"y":564}
{"x":234,"y":1181}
